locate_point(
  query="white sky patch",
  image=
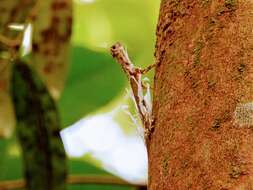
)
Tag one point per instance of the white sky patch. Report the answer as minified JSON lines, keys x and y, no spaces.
{"x":26,"y":44}
{"x":17,"y":27}
{"x":101,"y":136}
{"x":27,"y":40}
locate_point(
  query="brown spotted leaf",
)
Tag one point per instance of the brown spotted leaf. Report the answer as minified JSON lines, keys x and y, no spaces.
{"x":52,"y":21}
{"x":13,"y":11}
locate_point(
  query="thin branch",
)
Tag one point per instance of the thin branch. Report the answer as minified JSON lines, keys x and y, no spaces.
{"x":146,"y":70}
{"x":11,"y":43}
{"x":13,"y":184}
{"x":95,"y":179}
{"x":75,"y":180}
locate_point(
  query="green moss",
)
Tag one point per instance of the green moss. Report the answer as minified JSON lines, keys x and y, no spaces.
{"x":205,"y":3}
{"x":241,"y":68}
{"x":195,"y":83}
{"x":211,"y":21}
{"x":176,"y":2}
{"x":235,"y":171}
{"x":177,"y":125}
{"x":197,"y":52}
{"x":178,"y":6}
{"x":220,"y":10}
{"x":217,"y":122}
{"x":185,"y":163}
{"x":211,"y":81}
{"x":189,"y":120}
{"x":165,"y":164}
{"x":231,"y":4}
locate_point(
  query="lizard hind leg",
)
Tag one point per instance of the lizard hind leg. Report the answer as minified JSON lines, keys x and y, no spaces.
{"x":147,"y":69}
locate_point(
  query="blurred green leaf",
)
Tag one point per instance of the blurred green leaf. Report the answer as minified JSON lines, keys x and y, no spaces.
{"x":94,"y":80}
{"x":128,"y":20}
{"x":10,"y":165}
{"x":102,"y":23}
{"x":11,"y":168}
{"x":38,"y":130}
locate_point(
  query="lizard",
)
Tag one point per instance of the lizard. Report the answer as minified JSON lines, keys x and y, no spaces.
{"x":137,"y":85}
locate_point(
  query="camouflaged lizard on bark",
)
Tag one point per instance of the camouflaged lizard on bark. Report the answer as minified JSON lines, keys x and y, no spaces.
{"x":134,"y":74}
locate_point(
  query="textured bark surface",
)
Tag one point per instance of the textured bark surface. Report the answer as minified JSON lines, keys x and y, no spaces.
{"x":203,"y":100}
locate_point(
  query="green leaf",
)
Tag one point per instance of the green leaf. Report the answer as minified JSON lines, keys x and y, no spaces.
{"x":94,"y":80}
{"x":38,"y":129}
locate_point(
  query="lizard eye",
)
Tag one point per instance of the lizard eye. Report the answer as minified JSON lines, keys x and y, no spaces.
{"x":113,"y":47}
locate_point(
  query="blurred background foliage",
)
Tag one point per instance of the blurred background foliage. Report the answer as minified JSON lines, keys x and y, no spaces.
{"x":97,"y":25}
{"x":95,"y":82}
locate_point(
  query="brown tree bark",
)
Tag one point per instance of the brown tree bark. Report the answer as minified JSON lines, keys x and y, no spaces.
{"x":203,"y":96}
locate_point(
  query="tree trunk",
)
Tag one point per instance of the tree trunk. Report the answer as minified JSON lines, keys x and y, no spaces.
{"x":203,"y":96}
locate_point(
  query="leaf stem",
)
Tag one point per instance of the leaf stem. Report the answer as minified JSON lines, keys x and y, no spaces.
{"x":11,"y":43}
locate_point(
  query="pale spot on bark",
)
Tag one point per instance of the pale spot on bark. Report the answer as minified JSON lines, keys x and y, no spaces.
{"x":243,"y":114}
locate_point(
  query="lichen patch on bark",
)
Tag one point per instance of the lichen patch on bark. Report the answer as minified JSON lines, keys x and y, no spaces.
{"x":243,"y":115}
